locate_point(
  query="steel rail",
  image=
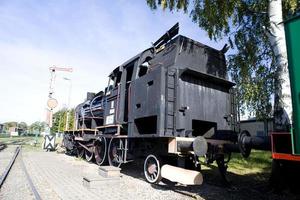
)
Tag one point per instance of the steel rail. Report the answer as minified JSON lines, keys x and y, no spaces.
{"x":2,"y":146}
{"x":33,"y":188}
{"x":6,"y":172}
{"x":8,"y":168}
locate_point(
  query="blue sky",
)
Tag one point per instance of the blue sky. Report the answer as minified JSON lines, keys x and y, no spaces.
{"x":93,"y":37}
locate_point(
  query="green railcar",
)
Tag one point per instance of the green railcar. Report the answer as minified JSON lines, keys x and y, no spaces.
{"x":286,"y":145}
{"x":292,"y":31}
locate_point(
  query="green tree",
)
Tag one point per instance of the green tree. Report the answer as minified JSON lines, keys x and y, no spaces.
{"x":71,"y":118}
{"x":23,"y":126}
{"x":37,"y":126}
{"x":258,"y":61}
{"x":60,"y":120}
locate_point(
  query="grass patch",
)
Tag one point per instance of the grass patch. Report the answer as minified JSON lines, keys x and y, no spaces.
{"x":3,"y":135}
{"x":29,"y":143}
{"x":258,"y":162}
{"x":246,"y":172}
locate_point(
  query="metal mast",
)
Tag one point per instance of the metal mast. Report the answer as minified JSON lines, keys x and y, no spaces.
{"x":52,"y":102}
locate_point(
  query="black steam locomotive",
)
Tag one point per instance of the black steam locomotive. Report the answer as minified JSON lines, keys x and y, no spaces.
{"x":171,"y":103}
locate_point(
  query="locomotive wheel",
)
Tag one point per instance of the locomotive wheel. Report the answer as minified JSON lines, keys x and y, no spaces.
{"x":65,"y":143}
{"x":222,"y":165}
{"x":115,"y":152}
{"x":80,"y":152}
{"x":100,"y":150}
{"x":89,"y":154}
{"x":152,"y":169}
{"x":244,"y":147}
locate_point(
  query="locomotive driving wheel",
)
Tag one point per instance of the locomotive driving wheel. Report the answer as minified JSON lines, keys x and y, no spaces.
{"x":152,"y":169}
{"x":116,"y":152}
{"x":89,"y":153}
{"x":80,"y":151}
{"x":100,"y":150}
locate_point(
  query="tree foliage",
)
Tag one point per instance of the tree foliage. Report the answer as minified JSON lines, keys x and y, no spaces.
{"x":60,"y":120}
{"x":23,"y":126}
{"x":245,"y":25}
{"x":37,"y":126}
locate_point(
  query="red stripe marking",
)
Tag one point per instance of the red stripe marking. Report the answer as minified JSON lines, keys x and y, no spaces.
{"x":284,"y":156}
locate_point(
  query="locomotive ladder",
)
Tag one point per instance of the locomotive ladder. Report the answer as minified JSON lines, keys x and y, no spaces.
{"x":170,"y":101}
{"x":233,"y":111}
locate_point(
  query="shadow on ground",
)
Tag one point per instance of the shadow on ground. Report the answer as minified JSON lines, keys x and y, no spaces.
{"x":247,"y":186}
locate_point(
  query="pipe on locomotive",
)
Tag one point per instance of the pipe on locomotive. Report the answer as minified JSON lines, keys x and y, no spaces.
{"x":245,"y":143}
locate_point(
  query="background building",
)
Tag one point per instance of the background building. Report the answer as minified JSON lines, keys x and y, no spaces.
{"x":259,"y":128}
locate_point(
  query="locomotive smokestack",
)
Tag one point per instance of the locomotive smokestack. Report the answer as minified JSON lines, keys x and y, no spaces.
{"x":90,"y":95}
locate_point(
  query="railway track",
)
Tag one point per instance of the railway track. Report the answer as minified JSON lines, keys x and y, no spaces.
{"x":7,"y":170}
{"x":2,"y":146}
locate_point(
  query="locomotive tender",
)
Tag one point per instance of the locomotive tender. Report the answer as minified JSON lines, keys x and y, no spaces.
{"x":169,"y":104}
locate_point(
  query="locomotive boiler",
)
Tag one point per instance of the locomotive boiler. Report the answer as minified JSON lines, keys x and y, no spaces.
{"x":170,"y":104}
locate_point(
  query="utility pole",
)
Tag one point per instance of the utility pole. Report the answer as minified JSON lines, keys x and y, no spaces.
{"x":69,"y":100}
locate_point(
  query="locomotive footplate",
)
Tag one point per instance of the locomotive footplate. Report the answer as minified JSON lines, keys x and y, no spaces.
{"x":115,"y":128}
{"x":86,"y":137}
